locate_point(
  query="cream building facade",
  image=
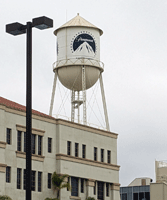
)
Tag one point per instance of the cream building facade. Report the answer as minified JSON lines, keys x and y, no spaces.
{"x":88,"y":155}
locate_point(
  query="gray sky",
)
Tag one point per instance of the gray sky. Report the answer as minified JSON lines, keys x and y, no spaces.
{"x":133,"y":49}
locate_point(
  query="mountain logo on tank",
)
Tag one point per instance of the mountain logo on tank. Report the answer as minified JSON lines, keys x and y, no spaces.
{"x":85,"y":44}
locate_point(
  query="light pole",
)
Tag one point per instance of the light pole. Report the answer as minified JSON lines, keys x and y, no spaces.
{"x":17,"y":29}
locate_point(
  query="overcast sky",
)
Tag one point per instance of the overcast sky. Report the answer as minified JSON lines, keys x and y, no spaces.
{"x":133,"y":49}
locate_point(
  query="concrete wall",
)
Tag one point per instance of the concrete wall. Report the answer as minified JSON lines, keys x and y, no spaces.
{"x":158,"y":191}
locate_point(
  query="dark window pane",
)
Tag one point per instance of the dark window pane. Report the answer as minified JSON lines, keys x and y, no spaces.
{"x":33,"y":180}
{"x":124,"y":196}
{"x":18,"y":178}
{"x":24,"y":181}
{"x":83,"y":151}
{"x":8,"y":174}
{"x":102,"y":155}
{"x":49,"y":180}
{"x":8,"y":136}
{"x":24,"y":141}
{"x":109,"y":156}
{"x":39,"y":181}
{"x":68,"y":148}
{"x":49,"y":145}
{"x":107,"y":189}
{"x":76,"y":149}
{"x":68,"y":182}
{"x":135,"y":196}
{"x":18,"y":140}
{"x":147,"y":196}
{"x":39,"y":145}
{"x":141,"y":195}
{"x":74,"y":186}
{"x":82,"y":185}
{"x":94,"y":189}
{"x":100,"y":194}
{"x":95,"y":153}
{"x":33,"y":143}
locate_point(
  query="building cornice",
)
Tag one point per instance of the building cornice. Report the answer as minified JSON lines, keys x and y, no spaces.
{"x":87,"y":162}
{"x":52,"y":120}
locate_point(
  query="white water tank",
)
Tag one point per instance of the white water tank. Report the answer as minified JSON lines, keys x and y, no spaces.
{"x":78,"y":45}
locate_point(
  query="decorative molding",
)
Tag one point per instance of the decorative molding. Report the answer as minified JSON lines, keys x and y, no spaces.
{"x":34,"y":130}
{"x":73,"y":197}
{"x":2,"y":144}
{"x":86,"y":128}
{"x":90,"y":182}
{"x":115,"y":186}
{"x":87,"y":162}
{"x":53,"y":120}
{"x":3,"y":168}
{"x":35,"y":157}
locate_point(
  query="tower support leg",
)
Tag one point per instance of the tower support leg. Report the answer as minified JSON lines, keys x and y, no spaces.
{"x":84,"y":94}
{"x":53,"y":94}
{"x":104,"y":103}
{"x":72,"y":105}
{"x":78,"y":108}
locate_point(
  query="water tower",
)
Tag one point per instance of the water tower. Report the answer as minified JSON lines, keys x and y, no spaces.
{"x":78,"y":65}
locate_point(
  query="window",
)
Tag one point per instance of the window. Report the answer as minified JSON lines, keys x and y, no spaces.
{"x":109,"y":156}
{"x":68,"y":148}
{"x":82,"y":185}
{"x":68,"y":182}
{"x":49,"y":145}
{"x":94,"y":188}
{"x":95,"y":153}
{"x":24,"y":181}
{"x":74,"y":186}
{"x":18,"y":178}
{"x":33,"y":137}
{"x":24,"y":141}
{"x":76,"y":149}
{"x":8,"y":136}
{"x":39,"y":145}
{"x":124,"y":196}
{"x":102,"y":155}
{"x":18,"y":140}
{"x":49,"y":180}
{"x":33,"y":180}
{"x":83,"y":151}
{"x":107,"y":189}
{"x":100,"y":194}
{"x":8,"y":173}
{"x":39,"y":181}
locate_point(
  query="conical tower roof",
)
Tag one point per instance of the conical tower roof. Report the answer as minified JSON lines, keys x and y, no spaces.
{"x":78,"y":21}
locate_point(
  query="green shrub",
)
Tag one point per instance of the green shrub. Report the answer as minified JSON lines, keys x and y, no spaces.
{"x":90,"y":198}
{"x":5,"y":197}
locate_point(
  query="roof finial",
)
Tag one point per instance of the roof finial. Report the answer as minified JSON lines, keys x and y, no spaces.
{"x":78,"y":14}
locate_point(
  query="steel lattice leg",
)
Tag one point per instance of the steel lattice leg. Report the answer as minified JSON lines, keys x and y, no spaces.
{"x":72,"y":106}
{"x":84,"y":95}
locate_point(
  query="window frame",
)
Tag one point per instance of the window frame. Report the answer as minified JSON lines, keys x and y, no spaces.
{"x":33,"y":143}
{"x":107,"y":189}
{"x":83,"y":151}
{"x":82,"y":185}
{"x":76,"y":149}
{"x":19,"y":140}
{"x":68,"y":148}
{"x":8,"y":136}
{"x":102,"y":155}
{"x":108,"y":156}
{"x":49,"y":180}
{"x":19,"y":170}
{"x":39,"y":181}
{"x":49,"y":145}
{"x":39,"y":145}
{"x":33,"y":180}
{"x":95,"y":153}
{"x":8,"y":174}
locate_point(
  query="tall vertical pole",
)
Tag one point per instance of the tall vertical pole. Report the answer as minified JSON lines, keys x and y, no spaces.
{"x":28,"y":110}
{"x":78,"y":108}
{"x":104,"y":103}
{"x":84,"y":95}
{"x":72,"y":105}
